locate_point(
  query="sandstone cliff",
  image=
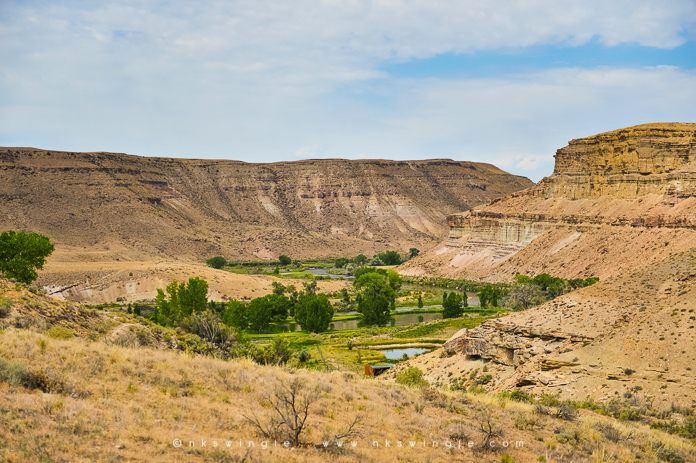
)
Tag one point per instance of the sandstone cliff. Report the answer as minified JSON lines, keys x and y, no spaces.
{"x":614,"y":202}
{"x":106,"y":206}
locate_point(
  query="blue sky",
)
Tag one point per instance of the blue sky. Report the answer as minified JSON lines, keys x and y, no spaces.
{"x":505,"y":82}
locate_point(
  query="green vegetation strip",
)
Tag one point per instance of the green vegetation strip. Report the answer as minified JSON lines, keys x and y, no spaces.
{"x":435,"y":327}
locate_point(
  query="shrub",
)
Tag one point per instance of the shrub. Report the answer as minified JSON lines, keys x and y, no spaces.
{"x":59,"y":332}
{"x":303,"y":356}
{"x":216,"y":262}
{"x":412,"y":376}
{"x":284,"y":260}
{"x":5,"y":307}
{"x":13,"y":373}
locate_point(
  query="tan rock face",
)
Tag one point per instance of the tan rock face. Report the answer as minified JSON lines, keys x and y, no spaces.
{"x":107,"y":206}
{"x":615,"y":201}
{"x":626,"y":163}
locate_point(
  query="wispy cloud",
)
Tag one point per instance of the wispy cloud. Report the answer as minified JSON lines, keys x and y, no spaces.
{"x":274,"y":80}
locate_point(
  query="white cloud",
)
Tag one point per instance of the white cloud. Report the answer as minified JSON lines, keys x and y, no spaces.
{"x":256,"y":80}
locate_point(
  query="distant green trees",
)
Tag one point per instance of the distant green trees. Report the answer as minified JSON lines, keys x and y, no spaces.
{"x":452,"y":305}
{"x":314,"y":312}
{"x":22,"y":254}
{"x":490,"y":294}
{"x":236,"y":315}
{"x":389,"y":257}
{"x":216,"y":262}
{"x":375,"y":298}
{"x":263,"y":310}
{"x":360,"y":259}
{"x":413,"y":252}
{"x":340,"y":262}
{"x":181,"y":300}
{"x":284,"y":260}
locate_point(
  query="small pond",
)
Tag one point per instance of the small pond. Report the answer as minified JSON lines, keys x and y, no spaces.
{"x":323,"y":272}
{"x":394,"y":354}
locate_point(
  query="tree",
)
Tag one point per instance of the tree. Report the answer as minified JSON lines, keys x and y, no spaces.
{"x":444,"y":298}
{"x":377,"y":261}
{"x":260,"y":314}
{"x":184,"y":300}
{"x":390,"y":257}
{"x":216,"y":262}
{"x":236,"y":315}
{"x":278,"y":288}
{"x":361,"y":259}
{"x":314,"y":314}
{"x":276,"y":270}
{"x":341,"y":262}
{"x":284,"y":260}
{"x":524,"y":295}
{"x":21,"y":254}
{"x":420,"y":301}
{"x":375,"y":298}
{"x":394,"y":280}
{"x":413,"y":252}
{"x":451,"y":307}
{"x":194,"y":296}
{"x":543,"y":280}
{"x":489,"y":293}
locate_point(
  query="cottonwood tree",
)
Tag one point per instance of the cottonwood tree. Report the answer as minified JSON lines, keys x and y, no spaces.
{"x":375,"y":298}
{"x":22,"y":254}
{"x":314,"y":313}
{"x":184,"y":299}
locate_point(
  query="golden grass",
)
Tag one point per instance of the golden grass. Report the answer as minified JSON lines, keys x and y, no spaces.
{"x":120,"y":403}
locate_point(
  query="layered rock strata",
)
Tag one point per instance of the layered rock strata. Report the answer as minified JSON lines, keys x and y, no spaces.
{"x":110,"y":206}
{"x":614,"y":201}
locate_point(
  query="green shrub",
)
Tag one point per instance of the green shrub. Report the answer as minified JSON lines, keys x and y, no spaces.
{"x":59,"y":332}
{"x":413,"y":377}
{"x":506,"y":459}
{"x":303,"y":356}
{"x":216,"y":262}
{"x":13,"y":373}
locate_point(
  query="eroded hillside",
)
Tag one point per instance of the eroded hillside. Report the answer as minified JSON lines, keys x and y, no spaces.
{"x":108,"y":207}
{"x":633,"y":330}
{"x":615,"y":202}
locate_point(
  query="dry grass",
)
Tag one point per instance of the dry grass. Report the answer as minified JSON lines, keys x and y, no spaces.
{"x":119,"y":403}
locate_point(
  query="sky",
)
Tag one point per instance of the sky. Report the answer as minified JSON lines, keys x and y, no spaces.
{"x":505,"y":82}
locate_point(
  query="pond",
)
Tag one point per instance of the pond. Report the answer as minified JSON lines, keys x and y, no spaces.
{"x":323,"y":272}
{"x":396,"y":320}
{"x":394,"y":354}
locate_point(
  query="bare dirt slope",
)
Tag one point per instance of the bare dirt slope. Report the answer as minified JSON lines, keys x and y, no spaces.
{"x":615,"y":202}
{"x":134,"y":208}
{"x":99,"y":282}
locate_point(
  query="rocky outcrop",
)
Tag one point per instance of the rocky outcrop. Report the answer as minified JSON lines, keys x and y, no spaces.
{"x":128,"y":207}
{"x":615,"y":201}
{"x":626,"y":163}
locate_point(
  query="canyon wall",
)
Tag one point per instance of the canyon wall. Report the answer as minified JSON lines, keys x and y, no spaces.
{"x":111,"y":207}
{"x":615,"y":201}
